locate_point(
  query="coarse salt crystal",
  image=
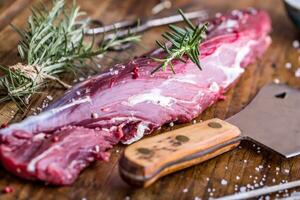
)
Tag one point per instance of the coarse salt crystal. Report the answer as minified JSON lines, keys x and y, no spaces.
{"x":224,"y":182}
{"x":277,"y":168}
{"x":127,"y":198}
{"x":185,"y":190}
{"x":288,"y":65}
{"x":296,"y":44}
{"x":97,"y":148}
{"x":287,"y":171}
{"x":95,"y":115}
{"x":50,"y":98}
{"x":261,"y":183}
{"x":238,"y":178}
{"x":297,"y":73}
{"x":243,"y":189}
{"x":218,"y":15}
{"x":171,"y":124}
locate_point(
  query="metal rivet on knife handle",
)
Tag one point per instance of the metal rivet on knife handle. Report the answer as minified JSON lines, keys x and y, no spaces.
{"x":182,"y":138}
{"x":214,"y":125}
{"x":144,"y":151}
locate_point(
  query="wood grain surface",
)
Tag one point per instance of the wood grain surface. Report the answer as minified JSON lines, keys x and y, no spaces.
{"x":245,"y":167}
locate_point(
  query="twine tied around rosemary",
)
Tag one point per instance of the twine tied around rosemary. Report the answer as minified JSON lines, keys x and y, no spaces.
{"x":36,"y":74}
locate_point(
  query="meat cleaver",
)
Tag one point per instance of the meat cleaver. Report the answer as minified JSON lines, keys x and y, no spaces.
{"x":270,"y":120}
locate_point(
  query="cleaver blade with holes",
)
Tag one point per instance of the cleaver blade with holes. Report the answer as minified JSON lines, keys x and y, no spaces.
{"x":271,"y":120}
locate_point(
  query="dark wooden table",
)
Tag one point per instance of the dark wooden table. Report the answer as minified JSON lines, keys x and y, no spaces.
{"x":247,"y":165}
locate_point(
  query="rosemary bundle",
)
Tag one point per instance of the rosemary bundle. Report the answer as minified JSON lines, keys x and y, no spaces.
{"x":52,"y":43}
{"x":181,"y":41}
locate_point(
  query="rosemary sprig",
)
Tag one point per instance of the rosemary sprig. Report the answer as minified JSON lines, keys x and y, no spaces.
{"x":181,"y":41}
{"x":53,"y":43}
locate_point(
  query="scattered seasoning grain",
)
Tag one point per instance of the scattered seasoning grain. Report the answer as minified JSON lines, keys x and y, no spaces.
{"x":127,"y":198}
{"x":7,"y":190}
{"x":297,"y":73}
{"x":94,"y":115}
{"x":171,"y":124}
{"x":288,"y":65}
{"x":296,"y":44}
{"x":238,"y":178}
{"x":135,"y":72}
{"x":165,"y":4}
{"x":276,"y":81}
{"x":224,"y":182}
{"x":4,"y":125}
{"x":185,"y":190}
{"x":49,"y":97}
{"x":55,"y":139}
{"x":243,"y":189}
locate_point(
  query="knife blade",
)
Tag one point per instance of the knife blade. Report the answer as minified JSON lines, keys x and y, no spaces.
{"x":270,"y":120}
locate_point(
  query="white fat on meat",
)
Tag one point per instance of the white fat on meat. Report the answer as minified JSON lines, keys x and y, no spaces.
{"x":141,"y":128}
{"x":31,"y":165}
{"x":86,"y":99}
{"x":154,"y":96}
{"x":235,"y":70}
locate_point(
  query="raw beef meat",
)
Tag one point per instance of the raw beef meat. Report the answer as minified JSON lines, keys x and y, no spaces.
{"x":127,"y":102}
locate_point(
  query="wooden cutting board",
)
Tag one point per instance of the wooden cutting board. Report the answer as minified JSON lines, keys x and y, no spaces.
{"x":217,"y":177}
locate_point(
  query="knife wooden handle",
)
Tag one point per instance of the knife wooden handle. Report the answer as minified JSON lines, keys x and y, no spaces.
{"x":143,"y":162}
